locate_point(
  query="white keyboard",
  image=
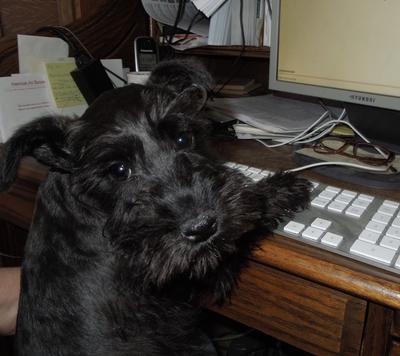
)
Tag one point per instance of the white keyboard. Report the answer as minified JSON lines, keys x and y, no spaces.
{"x":359,"y":226}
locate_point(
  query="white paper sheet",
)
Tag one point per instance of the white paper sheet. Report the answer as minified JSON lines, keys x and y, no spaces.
{"x":165,"y":12}
{"x":32,"y":48}
{"x":270,"y":113}
{"x":208,"y":7}
{"x":22,"y":99}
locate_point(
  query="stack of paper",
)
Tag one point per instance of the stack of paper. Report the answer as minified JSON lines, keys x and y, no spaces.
{"x":236,"y":86}
{"x":268,"y":116}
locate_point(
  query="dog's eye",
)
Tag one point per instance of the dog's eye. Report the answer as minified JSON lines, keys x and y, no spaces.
{"x":120,"y":171}
{"x":184,"y":139}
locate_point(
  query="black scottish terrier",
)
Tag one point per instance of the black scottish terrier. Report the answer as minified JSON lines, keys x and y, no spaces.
{"x":136,"y":226}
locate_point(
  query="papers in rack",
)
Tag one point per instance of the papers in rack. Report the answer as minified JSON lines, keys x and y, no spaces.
{"x":22,"y":97}
{"x":219,"y":21}
{"x":166,"y":11}
{"x":220,"y":26}
{"x":208,"y":7}
{"x":268,"y":116}
{"x":225,"y":28}
{"x":249,"y":18}
{"x":44,"y":85}
{"x":66,"y":95}
{"x":31,"y":49}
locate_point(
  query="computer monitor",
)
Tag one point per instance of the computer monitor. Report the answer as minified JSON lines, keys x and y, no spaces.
{"x":342,"y":50}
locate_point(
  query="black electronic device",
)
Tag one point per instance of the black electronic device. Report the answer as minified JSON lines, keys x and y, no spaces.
{"x":146,"y":53}
{"x":92,"y":80}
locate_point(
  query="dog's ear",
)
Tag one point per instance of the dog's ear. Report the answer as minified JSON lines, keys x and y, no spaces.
{"x":189,"y":102}
{"x":178,"y":75}
{"x":44,"y":139}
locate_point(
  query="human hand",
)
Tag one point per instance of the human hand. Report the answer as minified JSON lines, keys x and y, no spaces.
{"x":9,"y":297}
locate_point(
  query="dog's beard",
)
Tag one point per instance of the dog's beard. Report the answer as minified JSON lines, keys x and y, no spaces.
{"x":150,"y":238}
{"x":163,"y":254}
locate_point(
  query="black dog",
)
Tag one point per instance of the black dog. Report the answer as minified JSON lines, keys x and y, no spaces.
{"x":135,"y":226}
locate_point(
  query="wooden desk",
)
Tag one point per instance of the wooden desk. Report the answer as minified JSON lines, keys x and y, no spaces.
{"x":318,"y":301}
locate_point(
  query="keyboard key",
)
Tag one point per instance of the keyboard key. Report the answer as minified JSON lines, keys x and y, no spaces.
{"x":396,"y":222}
{"x":360,"y":203}
{"x":354,"y":211}
{"x":331,"y":239}
{"x":388,"y":210}
{"x":230,"y":164}
{"x":397,"y":263}
{"x":320,"y":202}
{"x":375,"y":227}
{"x":343,"y":198}
{"x":266,"y":173}
{"x":393,"y":232}
{"x":312,"y":233}
{"x":294,"y":227}
{"x":256,"y":177}
{"x":373,"y":252}
{"x":369,"y":236}
{"x":390,"y":242}
{"x":332,"y":189}
{"x":254,"y":170}
{"x":241,"y":167}
{"x":326,"y":194}
{"x":381,"y":218}
{"x":391,"y":203}
{"x":349,"y":193}
{"x":337,"y":206}
{"x":322,"y":224}
{"x":366,"y":197}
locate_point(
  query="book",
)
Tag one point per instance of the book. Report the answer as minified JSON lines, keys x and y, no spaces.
{"x":241,"y":92}
{"x":235,"y":83}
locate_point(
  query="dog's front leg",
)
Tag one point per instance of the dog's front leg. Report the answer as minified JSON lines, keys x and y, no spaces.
{"x":283,"y":195}
{"x":249,"y":212}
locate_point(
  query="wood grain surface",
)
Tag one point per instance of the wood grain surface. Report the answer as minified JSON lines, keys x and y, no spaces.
{"x":302,"y":313}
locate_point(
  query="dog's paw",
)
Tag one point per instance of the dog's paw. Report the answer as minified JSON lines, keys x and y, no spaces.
{"x":285,"y":193}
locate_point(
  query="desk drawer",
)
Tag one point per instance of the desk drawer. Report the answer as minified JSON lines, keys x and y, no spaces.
{"x":312,"y":317}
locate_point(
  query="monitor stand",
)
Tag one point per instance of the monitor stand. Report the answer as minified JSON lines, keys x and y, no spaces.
{"x":381,"y":126}
{"x":377,"y":124}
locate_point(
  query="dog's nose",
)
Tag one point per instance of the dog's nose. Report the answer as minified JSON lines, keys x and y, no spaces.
{"x":200,"y":228}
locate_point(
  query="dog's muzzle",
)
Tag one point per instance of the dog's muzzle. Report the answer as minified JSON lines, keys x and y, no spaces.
{"x":200,"y":229}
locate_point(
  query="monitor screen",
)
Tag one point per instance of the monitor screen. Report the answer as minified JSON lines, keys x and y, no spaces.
{"x":347,"y":50}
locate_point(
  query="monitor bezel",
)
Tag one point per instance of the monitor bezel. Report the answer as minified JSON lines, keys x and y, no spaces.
{"x":343,"y":95}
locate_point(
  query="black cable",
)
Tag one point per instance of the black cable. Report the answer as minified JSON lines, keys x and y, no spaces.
{"x":192,"y":22}
{"x":81,"y":53}
{"x":178,"y":18}
{"x":269,"y":7}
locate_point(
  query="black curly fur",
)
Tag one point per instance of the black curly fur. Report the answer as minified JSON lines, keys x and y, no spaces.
{"x":135,"y":226}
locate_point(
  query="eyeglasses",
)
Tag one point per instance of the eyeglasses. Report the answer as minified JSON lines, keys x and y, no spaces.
{"x":372,"y":154}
